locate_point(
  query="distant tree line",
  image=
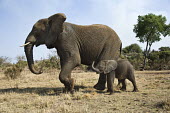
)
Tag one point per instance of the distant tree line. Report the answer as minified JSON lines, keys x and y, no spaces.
{"x":157,"y":60}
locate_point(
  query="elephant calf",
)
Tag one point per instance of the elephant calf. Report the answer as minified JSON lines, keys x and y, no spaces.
{"x":121,"y":69}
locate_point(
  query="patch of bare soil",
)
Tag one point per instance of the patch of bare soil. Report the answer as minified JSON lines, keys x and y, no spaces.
{"x":43,"y":94}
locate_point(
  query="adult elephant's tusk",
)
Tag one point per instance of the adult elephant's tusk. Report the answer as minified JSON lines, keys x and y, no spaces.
{"x":25,"y":44}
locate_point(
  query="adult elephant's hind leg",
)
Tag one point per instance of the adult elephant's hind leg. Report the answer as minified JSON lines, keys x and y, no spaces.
{"x":119,"y":84}
{"x":110,"y":51}
{"x":101,"y":82}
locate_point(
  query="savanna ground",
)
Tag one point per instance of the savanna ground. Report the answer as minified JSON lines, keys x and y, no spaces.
{"x":43,"y":94}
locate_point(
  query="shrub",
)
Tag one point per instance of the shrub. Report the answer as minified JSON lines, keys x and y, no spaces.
{"x":51,"y":63}
{"x":21,"y":64}
{"x":13,"y":72}
{"x":159,"y":60}
{"x":136,"y":59}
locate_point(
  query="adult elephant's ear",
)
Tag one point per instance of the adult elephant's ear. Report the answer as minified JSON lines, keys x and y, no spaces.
{"x":110,"y":66}
{"x":55,"y":28}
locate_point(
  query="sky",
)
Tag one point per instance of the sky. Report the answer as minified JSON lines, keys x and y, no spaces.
{"x":18,"y":16}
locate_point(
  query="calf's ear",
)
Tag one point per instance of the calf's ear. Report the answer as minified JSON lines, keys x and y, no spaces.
{"x":111,"y":65}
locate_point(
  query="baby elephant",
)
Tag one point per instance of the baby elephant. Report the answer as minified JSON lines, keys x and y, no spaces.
{"x":121,"y":69}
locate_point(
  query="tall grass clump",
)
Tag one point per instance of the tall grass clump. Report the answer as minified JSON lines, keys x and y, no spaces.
{"x":15,"y":70}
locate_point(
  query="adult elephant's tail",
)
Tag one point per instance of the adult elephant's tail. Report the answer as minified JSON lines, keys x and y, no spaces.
{"x":120,"y":49}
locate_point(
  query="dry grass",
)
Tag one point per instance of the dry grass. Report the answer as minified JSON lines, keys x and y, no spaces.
{"x":43,"y":94}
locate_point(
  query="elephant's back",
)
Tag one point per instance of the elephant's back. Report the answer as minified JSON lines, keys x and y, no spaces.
{"x":98,"y":32}
{"x":95,"y":42}
{"x":124,"y":69}
{"x":124,"y":63}
{"x":101,"y":29}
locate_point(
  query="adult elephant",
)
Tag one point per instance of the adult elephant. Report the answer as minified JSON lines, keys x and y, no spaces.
{"x":75,"y":44}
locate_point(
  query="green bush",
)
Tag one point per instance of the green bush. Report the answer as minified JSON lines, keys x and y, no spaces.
{"x":21,"y":64}
{"x":159,"y":60}
{"x":136,"y":59}
{"x":51,"y":63}
{"x":13,"y":72}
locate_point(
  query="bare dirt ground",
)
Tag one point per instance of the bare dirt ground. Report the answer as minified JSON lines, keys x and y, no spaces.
{"x":43,"y":94}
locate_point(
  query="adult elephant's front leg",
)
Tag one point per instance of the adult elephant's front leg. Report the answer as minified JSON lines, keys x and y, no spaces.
{"x":65,"y":76}
{"x":101,"y":82}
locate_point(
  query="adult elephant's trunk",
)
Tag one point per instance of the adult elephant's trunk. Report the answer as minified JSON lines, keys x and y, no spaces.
{"x":95,"y":69}
{"x":29,"y":55}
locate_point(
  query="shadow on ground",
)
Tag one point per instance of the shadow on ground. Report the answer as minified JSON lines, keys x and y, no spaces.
{"x":43,"y":91}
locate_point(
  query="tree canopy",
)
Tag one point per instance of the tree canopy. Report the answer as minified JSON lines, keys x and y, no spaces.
{"x":133,"y":48}
{"x":150,"y":27}
{"x":164,"y":49}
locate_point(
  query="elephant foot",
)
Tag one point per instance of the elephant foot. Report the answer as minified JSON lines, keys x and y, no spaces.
{"x":69,"y":88}
{"x":66,"y":91}
{"x":99,"y":87}
{"x":135,"y":90}
{"x":111,"y":92}
{"x":72,"y":91}
{"x":123,"y":89}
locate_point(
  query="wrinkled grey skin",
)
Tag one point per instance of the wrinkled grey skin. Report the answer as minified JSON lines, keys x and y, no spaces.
{"x":121,"y":69}
{"x":75,"y":44}
{"x":107,"y":67}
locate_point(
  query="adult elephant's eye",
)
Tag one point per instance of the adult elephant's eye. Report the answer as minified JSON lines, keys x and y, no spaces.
{"x":35,"y":31}
{"x":37,"y":34}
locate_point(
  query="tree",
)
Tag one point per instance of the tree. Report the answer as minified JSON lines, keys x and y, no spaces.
{"x":133,"y":48}
{"x":149,"y":29}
